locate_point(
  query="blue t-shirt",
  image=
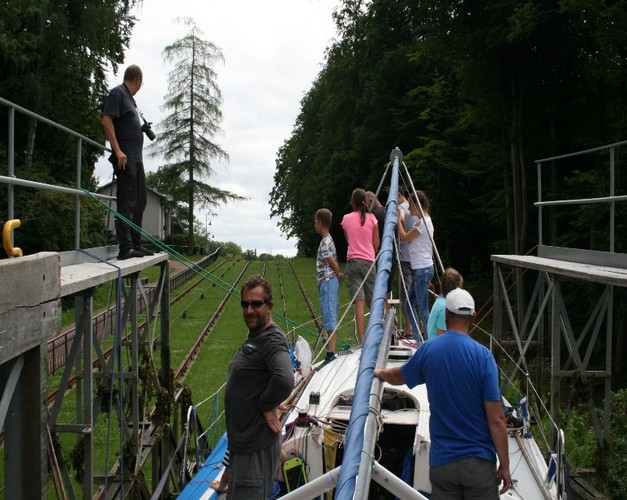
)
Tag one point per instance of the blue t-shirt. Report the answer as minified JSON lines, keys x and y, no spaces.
{"x":437,"y":317}
{"x":460,"y":375}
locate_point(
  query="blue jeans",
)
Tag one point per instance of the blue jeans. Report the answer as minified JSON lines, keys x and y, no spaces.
{"x":329,"y":303}
{"x":419,"y":299}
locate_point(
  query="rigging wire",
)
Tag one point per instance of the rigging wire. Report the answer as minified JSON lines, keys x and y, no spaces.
{"x":207,"y":275}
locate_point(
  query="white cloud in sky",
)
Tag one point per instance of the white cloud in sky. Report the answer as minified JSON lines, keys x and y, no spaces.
{"x":273,"y":51}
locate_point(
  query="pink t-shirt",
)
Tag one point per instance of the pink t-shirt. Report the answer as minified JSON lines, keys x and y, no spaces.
{"x":359,"y":237}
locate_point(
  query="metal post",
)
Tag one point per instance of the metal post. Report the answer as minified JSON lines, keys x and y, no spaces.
{"x":539,"y":177}
{"x":134,"y":368}
{"x":84,"y":311}
{"x":556,"y":360}
{"x":612,"y":203}
{"x":77,"y":224}
{"x":11,"y":170}
{"x":497,"y":316}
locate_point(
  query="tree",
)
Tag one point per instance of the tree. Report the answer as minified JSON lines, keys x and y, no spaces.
{"x":53,"y":60}
{"x":187,"y":134}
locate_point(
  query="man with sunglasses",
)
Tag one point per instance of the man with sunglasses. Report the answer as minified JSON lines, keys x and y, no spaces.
{"x":260,"y":378}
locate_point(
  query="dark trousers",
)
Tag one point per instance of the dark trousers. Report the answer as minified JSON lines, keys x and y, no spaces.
{"x":131,"y":201}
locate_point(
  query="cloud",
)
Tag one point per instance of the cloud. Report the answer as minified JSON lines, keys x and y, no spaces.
{"x":273,"y":52}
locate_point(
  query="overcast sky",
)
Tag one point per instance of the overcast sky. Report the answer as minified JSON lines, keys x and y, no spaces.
{"x":273,"y":50}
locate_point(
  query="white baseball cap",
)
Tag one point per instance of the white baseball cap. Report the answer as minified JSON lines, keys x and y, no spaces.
{"x":460,"y":302}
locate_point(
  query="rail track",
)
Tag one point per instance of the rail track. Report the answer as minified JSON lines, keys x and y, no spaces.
{"x":148,"y":434}
{"x":73,"y":379}
{"x":191,"y":355}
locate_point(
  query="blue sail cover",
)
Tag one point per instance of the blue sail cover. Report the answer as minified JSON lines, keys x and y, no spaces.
{"x":374,"y":333}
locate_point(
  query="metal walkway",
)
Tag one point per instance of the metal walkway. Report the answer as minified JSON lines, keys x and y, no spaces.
{"x":30,"y":316}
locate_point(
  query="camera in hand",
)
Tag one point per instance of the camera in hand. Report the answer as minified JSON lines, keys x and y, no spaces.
{"x":147,"y":129}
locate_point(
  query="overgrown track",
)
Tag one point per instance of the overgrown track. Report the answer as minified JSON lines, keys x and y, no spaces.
{"x":185,"y":365}
{"x":310,"y":307}
{"x":73,"y":379}
{"x":148,"y":437}
{"x":103,"y":321}
{"x":282,"y":281}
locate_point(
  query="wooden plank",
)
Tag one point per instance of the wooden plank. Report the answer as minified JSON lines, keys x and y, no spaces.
{"x":30,"y":307}
{"x":78,"y":277}
{"x":597,"y":274}
{"x":27,"y":281}
{"x":24,"y":328}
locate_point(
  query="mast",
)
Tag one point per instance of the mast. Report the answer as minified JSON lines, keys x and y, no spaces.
{"x":354,"y":480}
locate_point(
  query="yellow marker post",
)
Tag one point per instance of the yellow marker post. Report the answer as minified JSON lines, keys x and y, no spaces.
{"x":6,"y":238}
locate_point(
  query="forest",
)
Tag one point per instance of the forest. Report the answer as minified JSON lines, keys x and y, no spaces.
{"x":472,"y":92}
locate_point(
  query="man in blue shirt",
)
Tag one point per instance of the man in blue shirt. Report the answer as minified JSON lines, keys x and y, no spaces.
{"x":467,"y":424}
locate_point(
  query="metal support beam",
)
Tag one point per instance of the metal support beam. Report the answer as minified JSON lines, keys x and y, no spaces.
{"x":571,"y":353}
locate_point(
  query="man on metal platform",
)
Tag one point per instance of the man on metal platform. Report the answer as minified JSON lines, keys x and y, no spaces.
{"x":122,"y":126}
{"x":259,"y":379}
{"x":467,"y":424}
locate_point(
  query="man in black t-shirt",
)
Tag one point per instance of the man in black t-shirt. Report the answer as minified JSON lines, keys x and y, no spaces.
{"x":122,"y":126}
{"x":260,"y":378}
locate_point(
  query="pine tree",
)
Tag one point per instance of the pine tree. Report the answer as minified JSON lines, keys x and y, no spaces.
{"x":186,"y":138}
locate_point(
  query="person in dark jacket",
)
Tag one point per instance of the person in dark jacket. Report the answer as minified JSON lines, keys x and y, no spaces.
{"x":122,"y":126}
{"x":260,"y":378}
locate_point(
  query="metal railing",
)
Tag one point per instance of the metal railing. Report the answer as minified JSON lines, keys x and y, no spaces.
{"x":11,"y":180}
{"x":611,"y":199}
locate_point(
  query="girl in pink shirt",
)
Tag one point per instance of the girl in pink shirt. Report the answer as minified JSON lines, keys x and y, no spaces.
{"x":362,"y":236}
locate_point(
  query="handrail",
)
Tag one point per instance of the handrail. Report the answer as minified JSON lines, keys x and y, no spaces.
{"x":611,"y":199}
{"x":11,"y":180}
{"x":51,"y":187}
{"x":56,"y":125}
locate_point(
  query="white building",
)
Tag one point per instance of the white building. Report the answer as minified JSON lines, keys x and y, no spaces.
{"x":156,"y":219}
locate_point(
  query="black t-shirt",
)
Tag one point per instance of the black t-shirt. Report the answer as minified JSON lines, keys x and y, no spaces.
{"x":260,"y":378}
{"x":128,"y":130}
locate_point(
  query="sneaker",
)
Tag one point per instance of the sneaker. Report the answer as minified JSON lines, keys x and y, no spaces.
{"x":143,"y":249}
{"x":129,"y":253}
{"x":400,"y":334}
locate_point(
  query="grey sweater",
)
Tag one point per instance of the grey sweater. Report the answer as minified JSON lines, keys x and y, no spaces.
{"x":260,"y":378}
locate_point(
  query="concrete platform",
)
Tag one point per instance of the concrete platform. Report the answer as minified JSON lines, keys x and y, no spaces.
{"x":80,"y":271}
{"x":608,"y":268}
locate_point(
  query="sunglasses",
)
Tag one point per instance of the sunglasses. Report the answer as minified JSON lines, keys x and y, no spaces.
{"x":255,"y":304}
